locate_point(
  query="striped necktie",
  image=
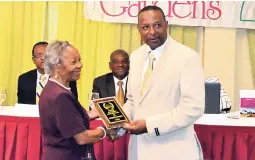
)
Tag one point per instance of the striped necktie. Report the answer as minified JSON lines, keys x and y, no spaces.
{"x":40,"y":86}
{"x":120,"y":94}
{"x":148,"y":72}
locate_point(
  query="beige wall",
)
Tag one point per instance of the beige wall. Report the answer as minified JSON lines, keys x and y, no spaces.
{"x":225,"y":54}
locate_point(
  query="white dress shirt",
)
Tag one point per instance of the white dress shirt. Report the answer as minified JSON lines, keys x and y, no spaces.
{"x":124,"y":84}
{"x":156,"y":53}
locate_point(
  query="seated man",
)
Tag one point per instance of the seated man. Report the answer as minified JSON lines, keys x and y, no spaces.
{"x":114,"y":84}
{"x":31,"y":83}
{"x":225,"y":103}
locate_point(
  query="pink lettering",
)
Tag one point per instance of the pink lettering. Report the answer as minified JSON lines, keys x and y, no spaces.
{"x":113,"y":15}
{"x":203,"y":11}
{"x":169,"y":14}
{"x":181,"y":3}
{"x":134,"y":8}
{"x":212,"y":10}
{"x":194,"y":15}
{"x":179,"y":9}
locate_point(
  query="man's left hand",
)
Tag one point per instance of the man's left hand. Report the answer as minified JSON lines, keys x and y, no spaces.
{"x":136,"y":127}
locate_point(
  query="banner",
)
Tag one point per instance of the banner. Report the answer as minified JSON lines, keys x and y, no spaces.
{"x":231,"y":14}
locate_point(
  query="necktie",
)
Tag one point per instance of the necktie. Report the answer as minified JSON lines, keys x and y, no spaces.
{"x":40,"y":86}
{"x":148,"y":72}
{"x":120,"y":94}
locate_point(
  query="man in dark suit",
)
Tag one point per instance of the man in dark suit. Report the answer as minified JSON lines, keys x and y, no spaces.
{"x":28,"y":82}
{"x":114,"y":84}
{"x":107,"y":85}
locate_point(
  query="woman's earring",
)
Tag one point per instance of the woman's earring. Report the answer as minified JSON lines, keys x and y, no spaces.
{"x":56,"y":77}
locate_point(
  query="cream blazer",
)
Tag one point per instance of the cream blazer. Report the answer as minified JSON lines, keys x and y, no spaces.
{"x":173,"y":100}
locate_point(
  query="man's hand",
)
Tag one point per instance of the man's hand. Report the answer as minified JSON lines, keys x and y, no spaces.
{"x":136,"y":127}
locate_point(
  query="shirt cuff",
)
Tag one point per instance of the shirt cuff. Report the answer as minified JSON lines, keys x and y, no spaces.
{"x":153,"y":129}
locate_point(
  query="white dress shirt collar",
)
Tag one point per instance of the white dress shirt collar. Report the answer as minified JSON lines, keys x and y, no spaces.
{"x":156,"y":52}
{"x":39,"y":75}
{"x":116,"y":80}
{"x":38,"y":79}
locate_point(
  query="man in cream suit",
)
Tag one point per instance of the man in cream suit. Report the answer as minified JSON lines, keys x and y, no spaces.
{"x":164,"y":105}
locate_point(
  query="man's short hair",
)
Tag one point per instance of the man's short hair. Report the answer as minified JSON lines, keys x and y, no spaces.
{"x":152,"y":8}
{"x":118,"y":51}
{"x":37,"y":44}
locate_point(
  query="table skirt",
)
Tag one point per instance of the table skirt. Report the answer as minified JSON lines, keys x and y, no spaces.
{"x":21,"y":139}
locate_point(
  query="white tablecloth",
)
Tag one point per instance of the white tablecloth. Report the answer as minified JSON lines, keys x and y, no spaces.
{"x":224,"y":120}
{"x":22,"y":110}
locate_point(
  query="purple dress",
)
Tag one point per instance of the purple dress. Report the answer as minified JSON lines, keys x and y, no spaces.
{"x":62,"y":117}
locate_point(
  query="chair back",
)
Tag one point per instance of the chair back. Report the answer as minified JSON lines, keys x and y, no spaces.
{"x":212,"y":97}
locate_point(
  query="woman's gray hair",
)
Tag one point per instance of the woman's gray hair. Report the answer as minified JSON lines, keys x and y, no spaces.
{"x":54,"y":52}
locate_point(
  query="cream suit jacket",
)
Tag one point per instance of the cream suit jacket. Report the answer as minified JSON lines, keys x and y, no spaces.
{"x":173,"y":100}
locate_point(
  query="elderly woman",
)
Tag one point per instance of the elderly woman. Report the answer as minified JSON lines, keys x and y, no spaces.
{"x":64,"y":122}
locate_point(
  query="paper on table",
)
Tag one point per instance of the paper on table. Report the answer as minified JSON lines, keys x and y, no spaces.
{"x":233,"y":115}
{"x":247,"y":93}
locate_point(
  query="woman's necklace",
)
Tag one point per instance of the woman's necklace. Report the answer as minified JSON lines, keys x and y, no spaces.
{"x":53,"y":80}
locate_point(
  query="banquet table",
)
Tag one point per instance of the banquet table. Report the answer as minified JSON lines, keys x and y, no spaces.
{"x":221,"y":138}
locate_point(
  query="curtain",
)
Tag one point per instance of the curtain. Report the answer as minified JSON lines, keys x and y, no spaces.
{"x":21,"y":25}
{"x":49,"y":21}
{"x":185,"y":35}
{"x":251,"y":42}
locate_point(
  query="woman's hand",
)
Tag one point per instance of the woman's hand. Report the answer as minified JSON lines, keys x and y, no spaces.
{"x":93,"y":114}
{"x":112,"y":134}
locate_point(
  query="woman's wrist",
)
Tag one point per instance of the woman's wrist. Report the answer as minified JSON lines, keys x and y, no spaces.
{"x":93,"y":114}
{"x":104,"y":135}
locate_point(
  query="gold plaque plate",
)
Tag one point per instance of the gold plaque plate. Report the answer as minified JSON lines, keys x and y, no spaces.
{"x":110,"y":111}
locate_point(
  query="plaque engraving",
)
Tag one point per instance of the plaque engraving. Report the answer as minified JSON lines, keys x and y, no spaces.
{"x":110,"y":111}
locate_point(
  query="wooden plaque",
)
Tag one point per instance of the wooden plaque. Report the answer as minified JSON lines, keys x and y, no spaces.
{"x":110,"y":111}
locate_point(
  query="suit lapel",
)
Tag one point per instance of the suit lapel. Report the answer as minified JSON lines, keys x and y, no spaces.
{"x":137,"y":72}
{"x":110,"y":85}
{"x":33,"y":84}
{"x":125,"y":98}
{"x":162,"y":62}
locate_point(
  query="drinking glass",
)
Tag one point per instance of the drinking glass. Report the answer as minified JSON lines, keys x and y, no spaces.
{"x":92,"y":96}
{"x":2,"y":95}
